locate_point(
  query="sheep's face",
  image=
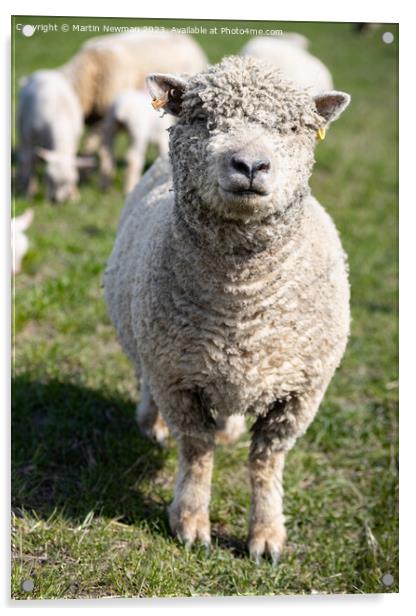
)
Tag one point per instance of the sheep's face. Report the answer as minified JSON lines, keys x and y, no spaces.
{"x":61,"y":174}
{"x":61,"y":177}
{"x":250,"y":172}
{"x":243,"y":144}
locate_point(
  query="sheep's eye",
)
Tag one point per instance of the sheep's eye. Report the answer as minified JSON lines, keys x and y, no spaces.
{"x":200,"y":118}
{"x":294,"y":129}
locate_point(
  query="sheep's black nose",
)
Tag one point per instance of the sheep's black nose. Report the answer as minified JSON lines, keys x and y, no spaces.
{"x":250,"y":168}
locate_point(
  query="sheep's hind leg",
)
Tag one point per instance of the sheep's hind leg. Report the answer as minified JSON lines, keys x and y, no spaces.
{"x":148,"y":417}
{"x":229,"y":429}
{"x":135,"y":159}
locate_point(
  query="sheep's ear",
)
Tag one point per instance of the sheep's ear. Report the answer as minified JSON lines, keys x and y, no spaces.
{"x":166,"y":91}
{"x":85,"y":162}
{"x":45,"y":154}
{"x":330,"y":105}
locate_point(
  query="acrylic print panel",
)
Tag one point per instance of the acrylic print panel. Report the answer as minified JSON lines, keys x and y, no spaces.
{"x":90,"y":490}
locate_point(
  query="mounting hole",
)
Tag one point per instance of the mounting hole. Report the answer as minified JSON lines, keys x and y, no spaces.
{"x":387,"y":37}
{"x":387,"y":579}
{"x":28,"y":585}
{"x":28,"y":30}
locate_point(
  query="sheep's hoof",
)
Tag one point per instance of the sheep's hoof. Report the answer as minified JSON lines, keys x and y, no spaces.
{"x":190,"y":527}
{"x":274,"y":555}
{"x":266,"y":540}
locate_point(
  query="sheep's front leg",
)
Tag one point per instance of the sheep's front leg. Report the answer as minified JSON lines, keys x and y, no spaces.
{"x":273,"y":435}
{"x":267,"y":532}
{"x":25,"y":181}
{"x":188,"y":513}
{"x":106,"y":151}
{"x":93,"y":139}
{"x":135,"y":159}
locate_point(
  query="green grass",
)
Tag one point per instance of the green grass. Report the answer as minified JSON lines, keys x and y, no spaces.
{"x":90,"y":494}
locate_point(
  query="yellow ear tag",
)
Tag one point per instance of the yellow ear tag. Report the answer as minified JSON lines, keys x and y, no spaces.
{"x":158,"y":103}
{"x":320,"y":133}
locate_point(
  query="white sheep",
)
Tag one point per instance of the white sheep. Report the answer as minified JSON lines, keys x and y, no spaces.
{"x":227,"y":283}
{"x":20,"y":243}
{"x":299,"y":40}
{"x":50,"y":122}
{"x":132,"y":111}
{"x":290,"y":55}
{"x":105,"y":66}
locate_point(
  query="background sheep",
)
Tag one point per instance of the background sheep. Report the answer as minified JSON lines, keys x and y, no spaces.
{"x":53,"y":104}
{"x":230,"y":293}
{"x":20,"y":243}
{"x":132,"y":111}
{"x":299,"y":40}
{"x":49,"y":121}
{"x":366,"y":27}
{"x":105,"y":66}
{"x":290,"y":55}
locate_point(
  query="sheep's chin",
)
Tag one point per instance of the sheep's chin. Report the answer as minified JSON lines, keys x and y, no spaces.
{"x":242,"y":205}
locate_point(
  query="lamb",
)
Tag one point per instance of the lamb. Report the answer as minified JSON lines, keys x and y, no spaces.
{"x":49,"y":119}
{"x":132,"y":111}
{"x":291,"y":56}
{"x":227,"y":283}
{"x":20,"y":243}
{"x":105,"y":66}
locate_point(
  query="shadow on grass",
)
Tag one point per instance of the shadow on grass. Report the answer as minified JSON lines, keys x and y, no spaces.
{"x":236,"y":546}
{"x":77,"y":450}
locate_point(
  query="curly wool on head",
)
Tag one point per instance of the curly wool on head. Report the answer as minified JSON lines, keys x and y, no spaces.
{"x":242,"y":88}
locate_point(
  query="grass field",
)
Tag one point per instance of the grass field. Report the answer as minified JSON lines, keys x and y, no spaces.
{"x":89,"y":493}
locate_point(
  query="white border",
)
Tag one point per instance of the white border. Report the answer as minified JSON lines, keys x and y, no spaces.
{"x":302,"y":10}
{"x":381,"y":11}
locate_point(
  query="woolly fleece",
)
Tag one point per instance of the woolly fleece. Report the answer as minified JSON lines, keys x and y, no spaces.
{"x":236,"y":313}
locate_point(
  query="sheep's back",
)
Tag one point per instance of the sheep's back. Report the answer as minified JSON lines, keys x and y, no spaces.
{"x":295,"y":62}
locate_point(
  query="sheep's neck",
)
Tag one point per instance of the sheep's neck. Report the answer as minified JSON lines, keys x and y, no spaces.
{"x":221,"y":267}
{"x":231,"y":243}
{"x":62,"y":141}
